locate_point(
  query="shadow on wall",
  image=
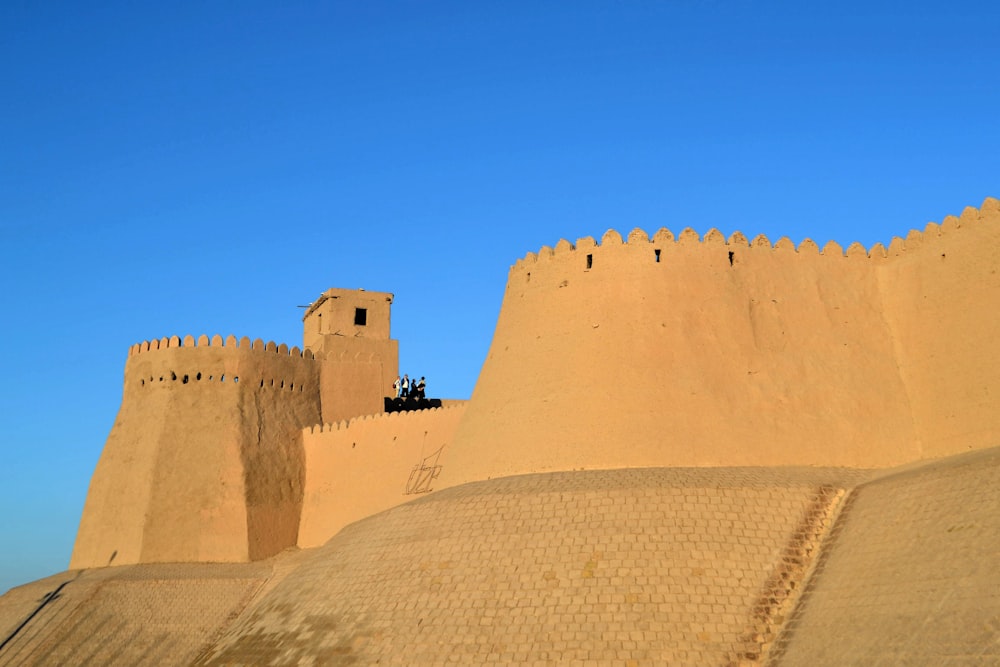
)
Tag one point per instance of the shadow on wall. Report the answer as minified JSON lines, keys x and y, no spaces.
{"x":408,"y":404}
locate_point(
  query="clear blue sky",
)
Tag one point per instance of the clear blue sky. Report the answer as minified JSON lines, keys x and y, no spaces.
{"x":175,"y":168}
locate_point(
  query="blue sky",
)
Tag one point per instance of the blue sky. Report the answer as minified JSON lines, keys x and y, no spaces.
{"x":175,"y":168}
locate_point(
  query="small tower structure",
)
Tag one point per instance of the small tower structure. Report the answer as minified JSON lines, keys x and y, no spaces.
{"x":348,"y":331}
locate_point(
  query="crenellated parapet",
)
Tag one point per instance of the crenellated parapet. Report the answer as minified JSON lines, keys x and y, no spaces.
{"x":231,"y":342}
{"x":380,"y":417}
{"x":192,"y":361}
{"x":637,"y":247}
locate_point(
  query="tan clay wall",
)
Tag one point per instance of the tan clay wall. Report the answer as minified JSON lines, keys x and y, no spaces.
{"x":908,"y":574}
{"x":356,"y":374}
{"x":941,"y":290}
{"x":717,"y":354}
{"x":204,"y":462}
{"x":357,"y":468}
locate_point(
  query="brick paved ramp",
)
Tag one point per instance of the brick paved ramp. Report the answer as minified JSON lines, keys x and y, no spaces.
{"x":654,"y":566}
{"x":629,"y":567}
{"x":910,"y":573}
{"x":131,"y":615}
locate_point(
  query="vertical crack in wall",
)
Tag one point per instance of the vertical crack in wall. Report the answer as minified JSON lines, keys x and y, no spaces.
{"x":782,"y":588}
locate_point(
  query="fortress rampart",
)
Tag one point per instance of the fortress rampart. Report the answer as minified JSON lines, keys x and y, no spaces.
{"x":204,"y":461}
{"x":689,"y":352}
{"x":637,"y":352}
{"x":680,"y":450}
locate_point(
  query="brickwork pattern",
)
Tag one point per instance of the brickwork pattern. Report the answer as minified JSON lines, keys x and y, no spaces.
{"x":132,"y":615}
{"x":629,"y":567}
{"x":908,"y":573}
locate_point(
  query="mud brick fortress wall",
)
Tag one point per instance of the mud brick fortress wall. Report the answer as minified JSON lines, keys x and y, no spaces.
{"x":680,"y":450}
{"x":708,"y":352}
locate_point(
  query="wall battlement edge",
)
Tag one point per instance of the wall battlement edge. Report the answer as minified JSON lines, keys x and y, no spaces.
{"x":216,"y":341}
{"x":665,"y":239}
{"x":381,"y":416}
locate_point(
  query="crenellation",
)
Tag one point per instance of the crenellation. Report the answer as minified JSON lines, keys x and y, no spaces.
{"x":688,"y":237}
{"x":714,"y":237}
{"x":563,"y":247}
{"x":662,"y":237}
{"x":897,"y":247}
{"x":784,"y":244}
{"x":914,"y":239}
{"x":808,"y":247}
{"x":585,"y":243}
{"x":877,"y":251}
{"x":856,"y":250}
{"x":761,"y":242}
{"x":737,"y":238}
{"x":611,"y":237}
{"x":638,"y":235}
{"x":990,"y":209}
{"x":832,"y":249}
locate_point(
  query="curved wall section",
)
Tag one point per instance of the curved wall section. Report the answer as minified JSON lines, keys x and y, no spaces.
{"x":942,"y":301}
{"x":679,"y":352}
{"x":204,"y":461}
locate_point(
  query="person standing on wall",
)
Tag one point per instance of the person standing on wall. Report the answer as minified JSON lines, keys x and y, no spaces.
{"x":421,"y":385}
{"x":406,"y":386}
{"x":397,"y":386}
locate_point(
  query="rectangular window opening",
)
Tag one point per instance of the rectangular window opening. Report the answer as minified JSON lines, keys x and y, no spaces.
{"x":360,"y":316}
{"x":590,"y":261}
{"x":657,"y":251}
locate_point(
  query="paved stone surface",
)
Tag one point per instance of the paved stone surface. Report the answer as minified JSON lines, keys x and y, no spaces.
{"x":628,"y":567}
{"x":908,"y":574}
{"x":132,"y":615}
{"x":633,"y":567}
